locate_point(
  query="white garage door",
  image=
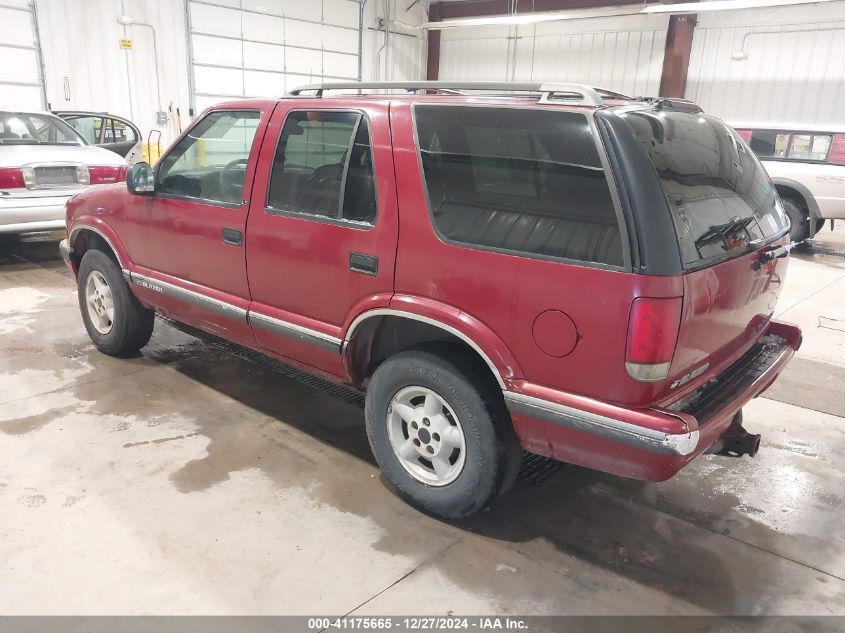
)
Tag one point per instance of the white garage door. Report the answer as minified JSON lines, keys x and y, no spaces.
{"x":21,"y":86}
{"x":263,"y":48}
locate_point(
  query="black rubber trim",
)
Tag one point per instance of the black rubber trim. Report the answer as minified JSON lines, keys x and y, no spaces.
{"x":647,"y":209}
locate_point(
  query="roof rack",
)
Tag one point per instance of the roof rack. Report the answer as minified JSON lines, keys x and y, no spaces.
{"x":549,"y":92}
{"x":672,"y":102}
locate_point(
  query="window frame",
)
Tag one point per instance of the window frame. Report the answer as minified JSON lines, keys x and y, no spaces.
{"x":206,"y":201}
{"x":792,"y":133}
{"x":603,"y":160}
{"x":304,"y":215}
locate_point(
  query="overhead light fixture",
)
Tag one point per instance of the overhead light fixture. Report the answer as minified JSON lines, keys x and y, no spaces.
{"x":125,"y":20}
{"x":580,"y":14}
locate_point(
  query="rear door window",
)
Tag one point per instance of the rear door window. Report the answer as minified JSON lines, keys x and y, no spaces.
{"x":323,"y":168}
{"x":523,"y":181}
{"x":88,"y":126}
{"x":720,"y":197}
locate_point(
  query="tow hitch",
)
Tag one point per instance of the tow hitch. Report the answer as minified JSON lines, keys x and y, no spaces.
{"x":736,"y":441}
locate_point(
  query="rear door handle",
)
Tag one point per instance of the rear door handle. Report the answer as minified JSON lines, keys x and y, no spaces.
{"x":232,"y":237}
{"x":363,"y":263}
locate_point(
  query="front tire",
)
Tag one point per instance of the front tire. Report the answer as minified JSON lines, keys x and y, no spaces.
{"x":440,"y":432}
{"x":116,"y":322}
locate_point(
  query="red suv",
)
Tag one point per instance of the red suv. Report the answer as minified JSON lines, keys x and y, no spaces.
{"x":501,"y":266}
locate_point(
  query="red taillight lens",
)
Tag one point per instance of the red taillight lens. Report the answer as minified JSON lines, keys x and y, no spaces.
{"x":652,"y":334}
{"x":107,"y":175}
{"x":11,"y":178}
{"x":745,"y":135}
{"x":837,"y":150}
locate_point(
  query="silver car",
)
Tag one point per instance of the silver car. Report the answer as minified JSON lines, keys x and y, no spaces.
{"x":43,"y":162}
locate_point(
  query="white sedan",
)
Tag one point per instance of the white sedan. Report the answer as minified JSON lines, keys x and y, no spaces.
{"x":43,"y":162}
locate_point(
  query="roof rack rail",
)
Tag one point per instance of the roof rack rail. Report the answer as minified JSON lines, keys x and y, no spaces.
{"x":672,"y":102}
{"x":549,"y":92}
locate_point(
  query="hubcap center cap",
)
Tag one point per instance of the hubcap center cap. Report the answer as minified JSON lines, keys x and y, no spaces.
{"x":424,"y":435}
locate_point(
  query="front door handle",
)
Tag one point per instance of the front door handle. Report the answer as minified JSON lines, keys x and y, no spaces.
{"x":232,"y":237}
{"x":363,"y":263}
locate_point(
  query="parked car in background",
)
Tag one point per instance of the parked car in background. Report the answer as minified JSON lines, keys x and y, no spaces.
{"x":109,"y":131}
{"x":807,"y":165}
{"x":43,"y":162}
{"x":591,"y":279}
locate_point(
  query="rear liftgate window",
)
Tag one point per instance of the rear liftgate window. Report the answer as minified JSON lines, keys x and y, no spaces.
{"x":523,"y":181}
{"x":721,"y":199}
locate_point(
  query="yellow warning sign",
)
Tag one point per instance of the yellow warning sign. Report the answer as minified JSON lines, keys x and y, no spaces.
{"x":126,"y":44}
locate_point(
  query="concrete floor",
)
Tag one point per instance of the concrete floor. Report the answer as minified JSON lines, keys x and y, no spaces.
{"x":189,"y":481}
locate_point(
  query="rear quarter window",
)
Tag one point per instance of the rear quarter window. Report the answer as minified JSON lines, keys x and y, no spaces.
{"x":523,"y":181}
{"x":721,"y":199}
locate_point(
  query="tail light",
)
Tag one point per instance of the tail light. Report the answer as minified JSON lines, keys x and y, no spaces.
{"x":837,"y":150}
{"x":104,"y":175}
{"x":11,"y":178}
{"x":652,"y":334}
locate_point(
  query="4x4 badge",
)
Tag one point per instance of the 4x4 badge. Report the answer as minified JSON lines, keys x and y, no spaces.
{"x":695,"y":373}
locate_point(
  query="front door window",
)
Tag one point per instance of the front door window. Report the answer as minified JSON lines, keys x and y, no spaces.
{"x":210,"y":162}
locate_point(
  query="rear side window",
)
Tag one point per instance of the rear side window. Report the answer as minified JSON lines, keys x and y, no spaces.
{"x":324,"y":167}
{"x":769,"y":144}
{"x":524,"y":181}
{"x":789,"y":145}
{"x":720,"y":197}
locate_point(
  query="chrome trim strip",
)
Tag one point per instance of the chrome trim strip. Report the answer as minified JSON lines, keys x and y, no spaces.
{"x":223,"y":308}
{"x":298,"y":332}
{"x":416,"y":317}
{"x":79,"y":227}
{"x":631,"y":434}
{"x":190,"y":296}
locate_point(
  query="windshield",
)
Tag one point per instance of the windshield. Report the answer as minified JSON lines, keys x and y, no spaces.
{"x":721,"y":199}
{"x":17,"y":128}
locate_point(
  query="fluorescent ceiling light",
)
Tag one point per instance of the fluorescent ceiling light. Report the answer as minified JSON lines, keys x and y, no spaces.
{"x":580,"y":14}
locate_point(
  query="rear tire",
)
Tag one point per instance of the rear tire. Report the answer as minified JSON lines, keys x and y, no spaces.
{"x":115,"y":320}
{"x":797,"y":220}
{"x":441,"y":432}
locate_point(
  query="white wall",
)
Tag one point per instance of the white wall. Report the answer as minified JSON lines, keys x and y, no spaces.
{"x":622,"y":54}
{"x":787,"y":76}
{"x":80,"y":40}
{"x":405,"y":56}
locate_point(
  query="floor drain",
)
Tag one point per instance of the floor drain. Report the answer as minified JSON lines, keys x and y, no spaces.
{"x":809,"y":247}
{"x":535,"y":469}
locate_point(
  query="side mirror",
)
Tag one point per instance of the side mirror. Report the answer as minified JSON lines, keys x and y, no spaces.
{"x":140,"y":179}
